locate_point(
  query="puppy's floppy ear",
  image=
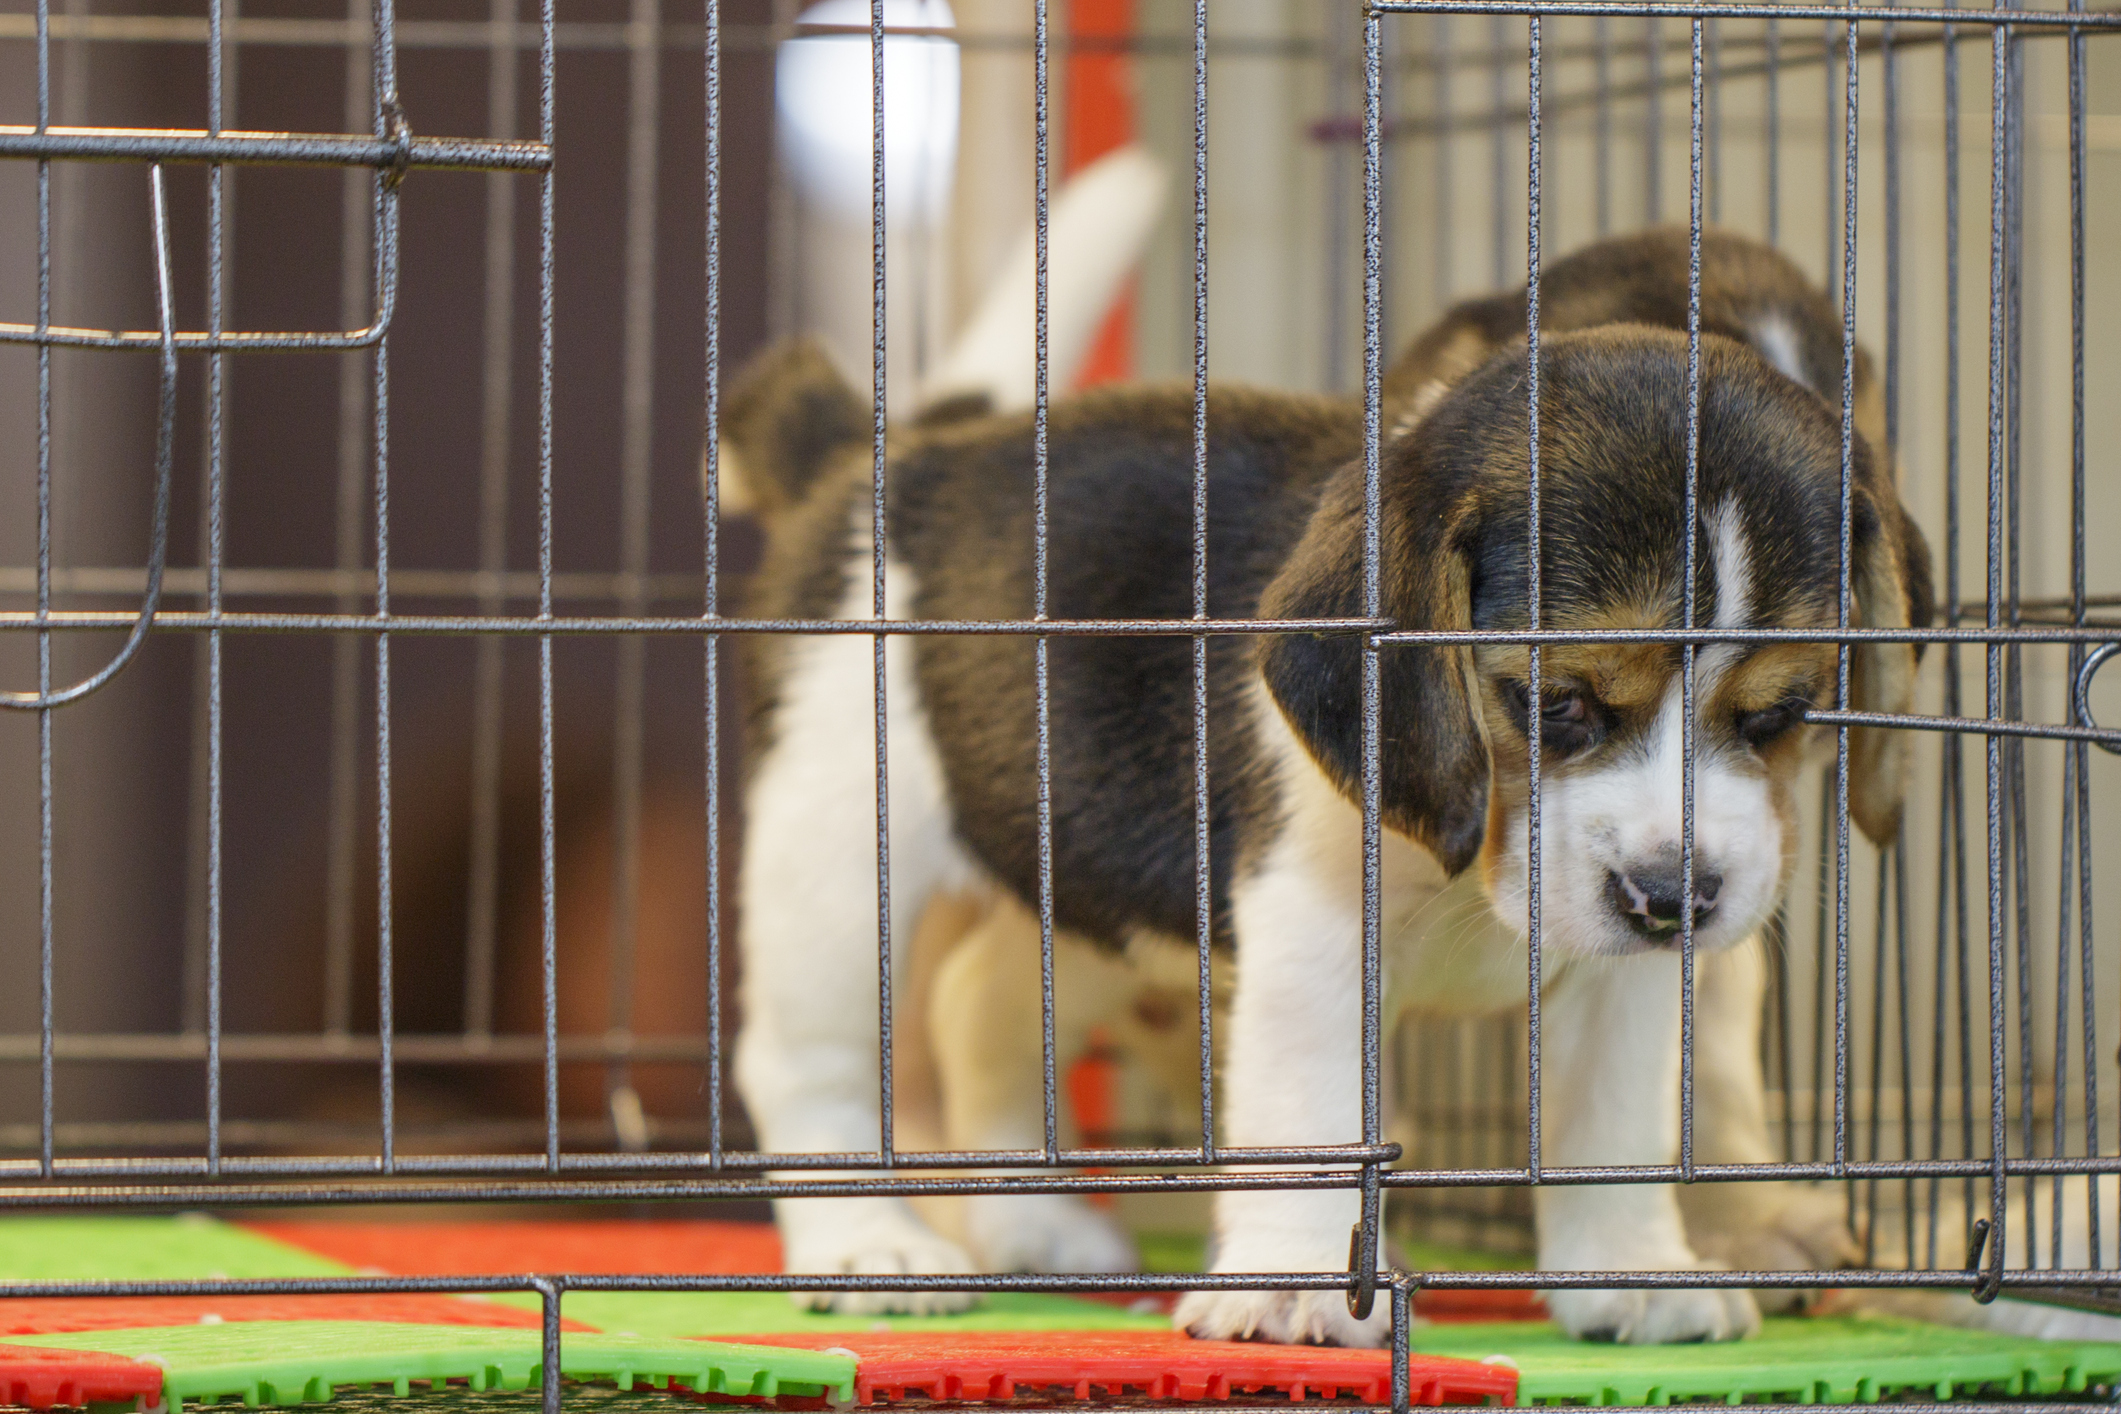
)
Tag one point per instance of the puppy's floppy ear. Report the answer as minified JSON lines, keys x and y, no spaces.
{"x":1434,"y":759}
{"x":1893,"y":590}
{"x":783,"y":419}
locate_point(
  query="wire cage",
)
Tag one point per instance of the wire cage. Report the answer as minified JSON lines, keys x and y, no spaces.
{"x":430,"y":812}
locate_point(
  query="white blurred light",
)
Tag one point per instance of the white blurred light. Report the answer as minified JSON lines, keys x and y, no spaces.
{"x":826,"y":116}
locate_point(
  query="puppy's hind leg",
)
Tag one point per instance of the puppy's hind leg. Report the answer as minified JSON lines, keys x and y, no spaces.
{"x":807,"y":1061}
{"x":987,"y":1026}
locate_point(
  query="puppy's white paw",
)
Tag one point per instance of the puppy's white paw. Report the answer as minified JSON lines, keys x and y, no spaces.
{"x":1655,"y":1317}
{"x":1283,"y":1317}
{"x":1786,"y":1228}
{"x":1045,"y":1232}
{"x":897,"y":1244}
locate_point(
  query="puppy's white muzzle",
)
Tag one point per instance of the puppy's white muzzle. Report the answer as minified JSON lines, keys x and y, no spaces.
{"x":1611,"y":862}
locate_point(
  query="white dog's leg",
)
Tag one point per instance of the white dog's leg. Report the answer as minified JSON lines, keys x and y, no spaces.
{"x":807,"y":1061}
{"x":1749,"y":1226}
{"x":1610,"y":1095}
{"x":986,"y":1028}
{"x":1293,"y":1076}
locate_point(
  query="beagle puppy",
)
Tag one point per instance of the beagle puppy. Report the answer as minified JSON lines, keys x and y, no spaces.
{"x":1285,"y":535}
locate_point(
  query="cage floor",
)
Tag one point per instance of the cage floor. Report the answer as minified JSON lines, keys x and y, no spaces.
{"x":219,"y":1349}
{"x":1001,"y":1365}
{"x":58,"y":1315}
{"x":531,"y":1245}
{"x":662,"y":1249}
{"x":1805,"y":1359}
{"x":39,"y":1378}
{"x":189,"y":1247}
{"x":196,"y":1247}
{"x":292,"y":1362}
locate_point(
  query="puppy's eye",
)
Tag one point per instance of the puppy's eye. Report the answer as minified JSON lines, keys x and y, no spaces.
{"x":1569,"y":720}
{"x":1560,"y":708}
{"x":1764,"y":725}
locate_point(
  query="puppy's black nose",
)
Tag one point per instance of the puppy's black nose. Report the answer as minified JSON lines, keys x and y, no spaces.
{"x":1647,"y":897}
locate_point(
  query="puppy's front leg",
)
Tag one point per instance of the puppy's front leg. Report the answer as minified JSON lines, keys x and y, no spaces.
{"x":807,"y":1060}
{"x":1610,"y":1095}
{"x":1293,"y":1076}
{"x":1750,"y":1226}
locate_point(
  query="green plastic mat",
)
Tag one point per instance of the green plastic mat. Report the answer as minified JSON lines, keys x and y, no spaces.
{"x":294,"y":1362}
{"x":741,"y":1313}
{"x":190,"y":1247}
{"x":1811,"y":1360}
{"x":1188,"y":1252}
{"x":1172,"y":1251}
{"x":1421,"y":1256}
{"x":195,"y":1246}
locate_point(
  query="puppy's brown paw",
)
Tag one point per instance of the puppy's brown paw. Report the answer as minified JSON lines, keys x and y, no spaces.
{"x":1787,"y":1228}
{"x":1283,"y":1317}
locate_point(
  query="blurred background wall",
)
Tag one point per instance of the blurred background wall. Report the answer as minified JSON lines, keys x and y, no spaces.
{"x":129,"y":867}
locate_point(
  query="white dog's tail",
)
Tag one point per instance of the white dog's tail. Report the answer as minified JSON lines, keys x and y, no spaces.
{"x":791,"y":411}
{"x":1099,"y":225}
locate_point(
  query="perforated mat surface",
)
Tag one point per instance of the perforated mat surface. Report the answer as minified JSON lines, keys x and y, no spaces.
{"x":1805,"y":1359}
{"x":40,"y":1378}
{"x":284,"y":1349}
{"x":290,"y":1362}
{"x":996,"y":1365}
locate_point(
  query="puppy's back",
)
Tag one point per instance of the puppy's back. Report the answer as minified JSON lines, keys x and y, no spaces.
{"x":1120,"y":545}
{"x":1750,"y":292}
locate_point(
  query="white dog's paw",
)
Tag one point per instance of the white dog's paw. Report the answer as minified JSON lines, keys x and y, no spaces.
{"x":1045,"y":1232}
{"x":897,"y":1245}
{"x":1667,"y":1317}
{"x":1283,"y":1317}
{"x":1790,"y":1228}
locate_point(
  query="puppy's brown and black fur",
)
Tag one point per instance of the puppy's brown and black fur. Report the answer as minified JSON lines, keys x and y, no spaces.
{"x":1284,"y":518}
{"x":1753,"y":295}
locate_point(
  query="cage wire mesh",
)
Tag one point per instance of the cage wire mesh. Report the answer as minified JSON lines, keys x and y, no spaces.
{"x":257,"y":974}
{"x":1775,"y":124}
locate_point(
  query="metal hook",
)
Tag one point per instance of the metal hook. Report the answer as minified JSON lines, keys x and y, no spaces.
{"x":2083,"y":689}
{"x":165,"y":440}
{"x":1990,"y":1282}
{"x":1362,"y":1271}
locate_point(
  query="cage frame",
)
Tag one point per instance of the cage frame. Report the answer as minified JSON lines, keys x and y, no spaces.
{"x":382,"y":158}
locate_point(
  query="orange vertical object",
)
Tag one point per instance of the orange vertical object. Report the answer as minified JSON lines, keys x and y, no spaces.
{"x":1093,"y":1092}
{"x":1100,"y":119}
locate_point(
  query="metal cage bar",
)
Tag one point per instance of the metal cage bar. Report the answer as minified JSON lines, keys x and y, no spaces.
{"x":562,"y":1169}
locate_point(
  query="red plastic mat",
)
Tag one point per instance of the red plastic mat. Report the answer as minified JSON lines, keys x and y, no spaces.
{"x":41,"y":1378}
{"x":54,"y":1315}
{"x":620,"y":1247}
{"x":981,"y":1365}
{"x":1503,"y":1303}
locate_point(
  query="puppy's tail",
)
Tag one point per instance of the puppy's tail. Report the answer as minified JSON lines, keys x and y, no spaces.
{"x":783,"y":421}
{"x":1100,"y":226}
{"x":790,"y":413}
